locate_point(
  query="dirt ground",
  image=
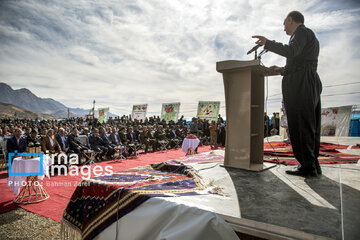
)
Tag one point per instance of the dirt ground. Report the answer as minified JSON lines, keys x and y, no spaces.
{"x":21,"y":224}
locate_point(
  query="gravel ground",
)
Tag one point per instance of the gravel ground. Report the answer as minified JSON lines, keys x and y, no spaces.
{"x":21,"y":224}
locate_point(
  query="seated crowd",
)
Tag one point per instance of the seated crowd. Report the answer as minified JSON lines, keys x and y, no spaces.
{"x":119,"y":135}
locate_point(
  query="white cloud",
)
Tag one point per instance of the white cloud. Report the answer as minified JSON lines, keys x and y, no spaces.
{"x":129,"y":52}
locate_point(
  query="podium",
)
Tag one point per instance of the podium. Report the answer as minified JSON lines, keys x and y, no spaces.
{"x":244,"y":100}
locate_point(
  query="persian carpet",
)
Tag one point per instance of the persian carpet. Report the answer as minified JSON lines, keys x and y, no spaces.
{"x":101,"y":201}
{"x":280,"y":152}
{"x":197,"y":158}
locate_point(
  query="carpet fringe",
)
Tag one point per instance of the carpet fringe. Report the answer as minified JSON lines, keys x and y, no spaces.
{"x":69,"y":232}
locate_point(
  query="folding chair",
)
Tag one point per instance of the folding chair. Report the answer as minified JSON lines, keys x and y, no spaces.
{"x":121,"y":149}
{"x":177,"y":142}
{"x":163,"y":145}
{"x":134,"y":147}
{"x":90,"y":154}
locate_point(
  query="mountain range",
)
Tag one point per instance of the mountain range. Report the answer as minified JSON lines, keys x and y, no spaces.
{"x":24,"y":98}
{"x":8,"y":110}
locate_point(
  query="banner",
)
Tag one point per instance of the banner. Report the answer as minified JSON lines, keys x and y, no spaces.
{"x":208,"y":110}
{"x":102,"y":114}
{"x":335,"y":121}
{"x":170,"y":111}
{"x":139,"y":112}
{"x":91,"y":112}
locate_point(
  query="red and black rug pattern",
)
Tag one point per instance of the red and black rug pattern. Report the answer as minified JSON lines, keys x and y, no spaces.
{"x":281,"y":152}
{"x":100,"y":201}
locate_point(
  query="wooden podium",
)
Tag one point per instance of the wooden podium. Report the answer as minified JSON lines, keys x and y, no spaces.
{"x":244,"y":100}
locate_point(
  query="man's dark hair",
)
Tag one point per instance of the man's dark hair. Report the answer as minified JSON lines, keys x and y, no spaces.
{"x":296,"y":16}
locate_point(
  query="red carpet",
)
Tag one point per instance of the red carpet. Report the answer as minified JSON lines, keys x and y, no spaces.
{"x":60,"y":188}
{"x":280,"y":152}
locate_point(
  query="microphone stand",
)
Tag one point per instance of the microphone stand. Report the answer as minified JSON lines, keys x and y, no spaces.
{"x":260,"y":54}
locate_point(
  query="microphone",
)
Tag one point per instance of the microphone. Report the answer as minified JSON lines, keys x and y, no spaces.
{"x":253,"y":49}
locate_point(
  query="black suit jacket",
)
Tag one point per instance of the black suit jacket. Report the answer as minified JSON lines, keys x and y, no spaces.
{"x":114,"y":137}
{"x":96,"y":142}
{"x":75,"y":143}
{"x":63,"y":144}
{"x":105,"y":138}
{"x":132,"y":137}
{"x":12,"y":145}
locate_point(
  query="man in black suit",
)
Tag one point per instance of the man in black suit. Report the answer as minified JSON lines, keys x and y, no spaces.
{"x":97,"y":144}
{"x":116,"y":141}
{"x":137,"y":132}
{"x":16,"y":143}
{"x":132,"y":139}
{"x":131,"y":136}
{"x":75,"y":144}
{"x":301,"y":89}
{"x":103,"y":135}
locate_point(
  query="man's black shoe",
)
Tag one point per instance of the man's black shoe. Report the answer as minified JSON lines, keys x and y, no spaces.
{"x":300,"y":173}
{"x":318,"y":168}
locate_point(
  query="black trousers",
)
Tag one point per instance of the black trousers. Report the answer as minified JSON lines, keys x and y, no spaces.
{"x":301,"y":93}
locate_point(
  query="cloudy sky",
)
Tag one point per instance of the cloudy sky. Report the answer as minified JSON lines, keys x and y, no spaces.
{"x":129,"y":52}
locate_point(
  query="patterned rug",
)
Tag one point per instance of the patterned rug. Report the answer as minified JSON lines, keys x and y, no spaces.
{"x":280,"y":152}
{"x":100,"y":201}
{"x":197,"y":158}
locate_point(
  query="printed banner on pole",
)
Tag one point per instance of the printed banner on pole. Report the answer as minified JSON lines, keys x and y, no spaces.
{"x":91,"y":112}
{"x":335,"y":121}
{"x":139,"y":112}
{"x":102,"y":114}
{"x":208,"y":110}
{"x":170,"y":111}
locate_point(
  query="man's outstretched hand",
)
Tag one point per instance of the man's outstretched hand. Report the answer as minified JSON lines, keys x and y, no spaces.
{"x":261,"y":40}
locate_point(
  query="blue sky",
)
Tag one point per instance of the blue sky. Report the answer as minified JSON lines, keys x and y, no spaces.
{"x":133,"y":52}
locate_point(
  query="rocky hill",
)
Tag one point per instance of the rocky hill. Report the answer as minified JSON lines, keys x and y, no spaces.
{"x":11,"y":111}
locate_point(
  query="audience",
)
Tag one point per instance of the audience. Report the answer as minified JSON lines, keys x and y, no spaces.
{"x":104,"y":138}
